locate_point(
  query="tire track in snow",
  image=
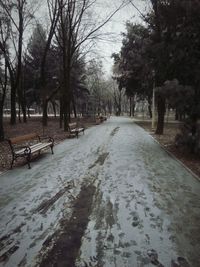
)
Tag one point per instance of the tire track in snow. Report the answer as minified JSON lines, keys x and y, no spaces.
{"x":5,"y":256}
{"x":100,"y":160}
{"x":11,"y":241}
{"x":9,"y":238}
{"x":69,"y":237}
{"x":47,"y":204}
{"x":104,"y":154}
{"x":114,"y":131}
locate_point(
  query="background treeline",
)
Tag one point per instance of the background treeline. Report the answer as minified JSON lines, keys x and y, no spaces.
{"x":42,"y":63}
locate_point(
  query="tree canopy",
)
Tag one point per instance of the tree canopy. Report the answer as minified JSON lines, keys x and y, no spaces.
{"x":164,"y":48}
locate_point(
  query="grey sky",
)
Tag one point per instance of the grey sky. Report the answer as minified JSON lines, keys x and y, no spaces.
{"x":117,"y":25}
{"x":110,"y":43}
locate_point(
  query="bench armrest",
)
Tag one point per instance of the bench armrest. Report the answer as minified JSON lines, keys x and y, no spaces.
{"x":13,"y":147}
{"x":50,"y":139}
{"x":80,"y":125}
{"x":27,"y":150}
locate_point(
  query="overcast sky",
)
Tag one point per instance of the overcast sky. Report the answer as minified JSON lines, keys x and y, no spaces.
{"x":110,"y":43}
{"x":105,"y":48}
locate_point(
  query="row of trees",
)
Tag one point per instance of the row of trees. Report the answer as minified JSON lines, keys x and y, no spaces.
{"x":163,"y":52}
{"x":51,"y":65}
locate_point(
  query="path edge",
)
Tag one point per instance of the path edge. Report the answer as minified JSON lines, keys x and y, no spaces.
{"x":174,"y":157}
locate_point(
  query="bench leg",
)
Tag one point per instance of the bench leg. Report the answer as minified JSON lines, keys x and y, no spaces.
{"x":51,"y":149}
{"x":13,"y":159}
{"x":28,"y":159}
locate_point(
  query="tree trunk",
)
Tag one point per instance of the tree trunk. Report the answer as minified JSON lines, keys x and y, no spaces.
{"x":66,"y":97}
{"x":74,"y":106}
{"x":15,"y":88}
{"x":149,"y":107}
{"x":150,"y":111}
{"x":65,"y":117}
{"x":130,"y":100}
{"x":66,"y":94}
{"x":1,"y":122}
{"x":13,"y":105}
{"x":161,"y":114}
{"x":28,"y":111}
{"x":54,"y":108}
{"x":2,"y":99}
{"x":22,"y":104}
{"x":120,"y":103}
{"x":19,"y":113}
{"x":23,"y":99}
{"x":176,"y":115}
{"x":44,"y":112}
{"x":133,"y":108}
{"x":61,"y":113}
{"x":24,"y":112}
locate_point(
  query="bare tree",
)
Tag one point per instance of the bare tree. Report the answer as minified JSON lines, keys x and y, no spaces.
{"x":75,"y":29}
{"x":4,"y":59}
{"x":54,"y":13}
{"x":3,"y":89}
{"x":18,"y":14}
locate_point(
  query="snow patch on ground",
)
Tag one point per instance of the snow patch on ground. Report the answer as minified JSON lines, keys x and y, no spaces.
{"x":144,"y":200}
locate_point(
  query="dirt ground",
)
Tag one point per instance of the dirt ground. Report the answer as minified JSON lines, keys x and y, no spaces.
{"x":34,"y":125}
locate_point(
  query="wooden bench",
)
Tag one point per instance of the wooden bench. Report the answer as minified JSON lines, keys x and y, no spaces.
{"x":100,"y":119}
{"x":97,"y":120}
{"x":26,"y":145}
{"x":75,"y":129}
{"x":103,"y":118}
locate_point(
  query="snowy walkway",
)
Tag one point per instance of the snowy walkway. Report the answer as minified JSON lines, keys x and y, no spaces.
{"x":145,"y":209}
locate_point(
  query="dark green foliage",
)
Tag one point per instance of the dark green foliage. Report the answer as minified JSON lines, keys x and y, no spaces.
{"x":169,"y":46}
{"x":133,"y":66}
{"x":177,"y":53}
{"x":189,"y":136}
{"x":32,"y":68}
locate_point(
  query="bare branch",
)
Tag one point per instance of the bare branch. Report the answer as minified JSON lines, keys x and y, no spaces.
{"x":124,"y":3}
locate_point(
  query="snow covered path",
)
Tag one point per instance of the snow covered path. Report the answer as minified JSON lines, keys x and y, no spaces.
{"x":144,"y":208}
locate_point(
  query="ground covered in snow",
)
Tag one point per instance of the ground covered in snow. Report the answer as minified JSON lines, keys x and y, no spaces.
{"x":192,"y":161}
{"x":34,"y":124}
{"x":112,"y":197}
{"x":171,"y":129}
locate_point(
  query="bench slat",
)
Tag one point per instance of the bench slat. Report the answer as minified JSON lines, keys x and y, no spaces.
{"x":80,"y":129}
{"x":74,"y":129}
{"x":20,"y":146}
{"x":20,"y":139}
{"x":34,"y":148}
{"x":38,"y":148}
{"x":20,"y":152}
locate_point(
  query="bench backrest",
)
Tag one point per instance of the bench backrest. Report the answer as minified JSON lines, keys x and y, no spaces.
{"x":23,"y":138}
{"x":72,"y":125}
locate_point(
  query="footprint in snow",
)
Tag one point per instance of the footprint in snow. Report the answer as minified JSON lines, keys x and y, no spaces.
{"x":153,"y":255}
